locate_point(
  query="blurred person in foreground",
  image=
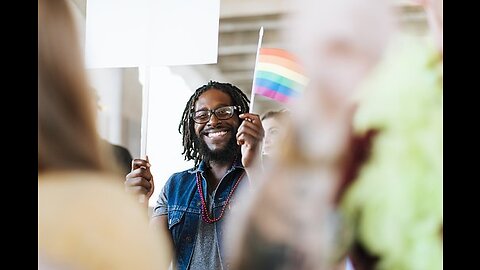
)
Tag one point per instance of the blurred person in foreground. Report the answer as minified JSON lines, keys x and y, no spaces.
{"x":402,"y":102}
{"x":224,"y":140}
{"x":293,"y":220}
{"x":365,"y":148}
{"x":86,"y":220}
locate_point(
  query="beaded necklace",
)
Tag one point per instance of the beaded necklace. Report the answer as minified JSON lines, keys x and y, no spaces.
{"x":205,"y":215}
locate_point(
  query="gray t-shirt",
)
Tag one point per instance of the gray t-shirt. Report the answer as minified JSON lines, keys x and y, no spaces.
{"x":206,"y":253}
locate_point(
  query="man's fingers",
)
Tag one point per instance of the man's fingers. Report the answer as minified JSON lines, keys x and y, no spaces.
{"x":252,"y":125}
{"x":138,"y":163}
{"x":251,"y":117}
{"x":255,"y":133}
{"x":245,"y":139}
{"x":151,"y":189}
{"x":139,"y":181}
{"x":140,"y":172}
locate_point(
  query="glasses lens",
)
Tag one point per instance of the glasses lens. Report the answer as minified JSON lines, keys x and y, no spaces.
{"x":201,"y":116}
{"x":224,"y":113}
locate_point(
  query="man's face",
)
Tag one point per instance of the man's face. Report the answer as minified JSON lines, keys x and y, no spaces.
{"x":217,"y":138}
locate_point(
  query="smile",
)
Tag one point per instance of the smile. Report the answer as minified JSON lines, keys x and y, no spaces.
{"x":217,"y":134}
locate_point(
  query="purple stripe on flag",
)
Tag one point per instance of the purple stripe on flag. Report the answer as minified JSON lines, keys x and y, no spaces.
{"x":271,"y":94}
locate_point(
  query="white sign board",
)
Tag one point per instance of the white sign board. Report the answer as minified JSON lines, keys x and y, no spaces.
{"x":133,"y":33}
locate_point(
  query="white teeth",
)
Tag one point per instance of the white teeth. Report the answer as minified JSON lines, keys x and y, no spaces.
{"x":216,"y":134}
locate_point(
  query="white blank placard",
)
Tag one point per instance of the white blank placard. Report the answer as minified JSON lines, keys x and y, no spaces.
{"x":132,"y":33}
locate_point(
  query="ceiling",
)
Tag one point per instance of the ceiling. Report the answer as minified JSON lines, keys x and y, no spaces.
{"x":239,"y":26}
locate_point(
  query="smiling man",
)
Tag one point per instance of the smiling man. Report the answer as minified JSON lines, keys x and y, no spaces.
{"x":224,"y":140}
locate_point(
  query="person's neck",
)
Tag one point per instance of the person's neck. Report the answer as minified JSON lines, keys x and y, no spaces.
{"x":217,"y":170}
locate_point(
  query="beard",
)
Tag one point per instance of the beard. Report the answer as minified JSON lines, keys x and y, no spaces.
{"x":225,"y":154}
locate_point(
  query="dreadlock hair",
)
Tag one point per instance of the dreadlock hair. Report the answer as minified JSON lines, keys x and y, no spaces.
{"x":186,"y":127}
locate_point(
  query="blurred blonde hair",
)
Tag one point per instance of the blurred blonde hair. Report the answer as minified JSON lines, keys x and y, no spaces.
{"x":67,"y":134}
{"x":76,"y":227}
{"x":276,"y":114}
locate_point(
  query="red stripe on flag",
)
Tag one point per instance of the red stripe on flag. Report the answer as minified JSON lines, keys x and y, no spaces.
{"x":279,"y":53}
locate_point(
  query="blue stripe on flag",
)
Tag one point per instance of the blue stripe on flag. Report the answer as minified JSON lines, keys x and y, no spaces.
{"x":276,"y":87}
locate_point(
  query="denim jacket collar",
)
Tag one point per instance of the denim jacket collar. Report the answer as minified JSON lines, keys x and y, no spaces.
{"x":203,"y":166}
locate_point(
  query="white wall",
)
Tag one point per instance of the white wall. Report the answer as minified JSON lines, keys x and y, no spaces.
{"x":168,"y":95}
{"x":108,"y":85}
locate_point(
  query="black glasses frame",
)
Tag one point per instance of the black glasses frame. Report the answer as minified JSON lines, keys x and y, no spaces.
{"x":214,"y":111}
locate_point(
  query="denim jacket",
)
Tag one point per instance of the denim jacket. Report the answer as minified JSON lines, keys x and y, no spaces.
{"x":184,"y":208}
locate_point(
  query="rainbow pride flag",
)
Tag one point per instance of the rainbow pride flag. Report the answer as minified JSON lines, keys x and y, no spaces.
{"x":278,"y":75}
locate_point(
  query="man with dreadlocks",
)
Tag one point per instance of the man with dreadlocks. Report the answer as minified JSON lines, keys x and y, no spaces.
{"x":224,"y":140}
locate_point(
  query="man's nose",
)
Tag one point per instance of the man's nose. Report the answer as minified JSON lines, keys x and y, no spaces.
{"x":214,"y":121}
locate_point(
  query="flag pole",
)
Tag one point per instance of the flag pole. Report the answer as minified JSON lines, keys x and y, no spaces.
{"x":252,"y":96}
{"x":143,"y":136}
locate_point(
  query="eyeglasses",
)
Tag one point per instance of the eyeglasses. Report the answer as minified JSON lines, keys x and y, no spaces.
{"x":222,"y":113}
